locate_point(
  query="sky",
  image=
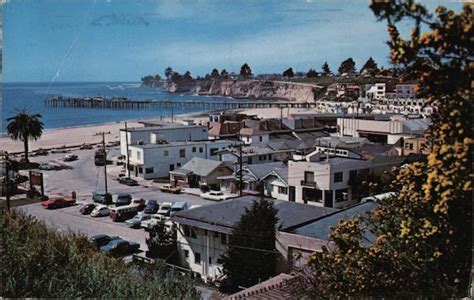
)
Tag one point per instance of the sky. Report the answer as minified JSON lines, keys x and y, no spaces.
{"x":121,"y":40}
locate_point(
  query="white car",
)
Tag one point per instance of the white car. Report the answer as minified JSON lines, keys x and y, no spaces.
{"x":100,"y":211}
{"x":215,"y":195}
{"x":165,"y":209}
{"x":150,"y":223}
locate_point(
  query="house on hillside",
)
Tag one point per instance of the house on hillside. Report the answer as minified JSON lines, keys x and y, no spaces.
{"x":199,"y":172}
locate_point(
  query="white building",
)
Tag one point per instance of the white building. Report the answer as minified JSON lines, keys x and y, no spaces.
{"x":375,"y":91}
{"x":275,"y":184}
{"x":204,"y":232}
{"x":383,"y":131}
{"x":157,"y":160}
{"x":167,"y":132}
{"x":251,"y":136}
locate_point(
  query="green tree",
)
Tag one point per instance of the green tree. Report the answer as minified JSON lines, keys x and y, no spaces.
{"x":312,"y":74}
{"x":161,"y":242}
{"x":288,"y":73}
{"x":25,"y":126}
{"x":224,"y":74}
{"x":251,"y":256}
{"x":245,"y":71}
{"x":157,"y":77}
{"x":215,"y":73}
{"x":347,"y":66}
{"x":370,"y":66}
{"x":187,"y":76}
{"x":42,"y":263}
{"x":422,"y":237}
{"x":325,"y":68}
{"x":168,"y":72}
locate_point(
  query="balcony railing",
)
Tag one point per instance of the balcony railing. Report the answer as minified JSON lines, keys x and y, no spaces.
{"x":308,"y":183}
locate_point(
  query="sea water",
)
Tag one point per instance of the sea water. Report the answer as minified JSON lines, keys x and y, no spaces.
{"x":30,"y":96}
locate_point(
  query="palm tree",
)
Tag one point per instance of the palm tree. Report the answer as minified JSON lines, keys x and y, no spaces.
{"x":25,"y":126}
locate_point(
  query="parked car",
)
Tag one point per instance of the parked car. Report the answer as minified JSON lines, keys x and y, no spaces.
{"x":47,"y":167}
{"x":102,"y":197}
{"x":128,"y":181}
{"x":140,"y":203}
{"x":102,"y":240}
{"x":122,"y":199}
{"x":71,"y":157}
{"x":151,"y":207}
{"x":137,"y":220}
{"x":215,"y":195}
{"x":178,"y":206}
{"x":39,"y":152}
{"x":85,"y":146}
{"x":168,"y":188}
{"x":165,"y":209}
{"x":58,"y":202}
{"x":120,"y":247}
{"x":100,"y":211}
{"x":60,"y":150}
{"x":152,"y":222}
{"x":87,"y":208}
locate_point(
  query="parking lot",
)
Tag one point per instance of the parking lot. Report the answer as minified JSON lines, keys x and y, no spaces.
{"x":85,"y":177}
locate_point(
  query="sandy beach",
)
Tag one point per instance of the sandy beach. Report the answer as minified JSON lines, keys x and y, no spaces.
{"x":75,"y":136}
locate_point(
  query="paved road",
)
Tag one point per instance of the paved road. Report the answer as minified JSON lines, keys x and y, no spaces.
{"x":84,"y":178}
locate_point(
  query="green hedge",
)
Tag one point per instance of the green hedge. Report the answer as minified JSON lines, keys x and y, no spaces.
{"x":39,"y":262}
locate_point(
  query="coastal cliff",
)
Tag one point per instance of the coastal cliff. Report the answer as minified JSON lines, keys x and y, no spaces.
{"x":248,"y":89}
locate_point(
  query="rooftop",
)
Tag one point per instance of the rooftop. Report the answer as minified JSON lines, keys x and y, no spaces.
{"x":183,"y":143}
{"x":199,"y":166}
{"x":223,"y":216}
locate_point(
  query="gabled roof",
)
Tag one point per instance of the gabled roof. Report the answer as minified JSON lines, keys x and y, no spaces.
{"x":224,"y":216}
{"x":275,"y":288}
{"x":281,"y":173}
{"x":199,"y":166}
{"x":260,"y":170}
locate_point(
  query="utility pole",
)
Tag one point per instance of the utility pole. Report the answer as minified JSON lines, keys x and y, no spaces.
{"x":241,"y":182}
{"x":7,"y":179}
{"x":128,"y":157}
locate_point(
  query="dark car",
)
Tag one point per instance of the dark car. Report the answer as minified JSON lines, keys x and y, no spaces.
{"x":102,"y":197}
{"x":87,"y":208}
{"x":151,"y":207}
{"x":123,"y":199}
{"x":128,"y":181}
{"x":101,"y":240}
{"x":120,"y":247}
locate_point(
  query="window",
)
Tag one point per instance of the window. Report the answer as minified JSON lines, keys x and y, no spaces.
{"x":182,"y":152}
{"x":139,"y":155}
{"x":201,"y":149}
{"x":313,"y":195}
{"x":210,"y":260}
{"x":308,"y":176}
{"x":194,"y":149}
{"x":189,"y":232}
{"x":260,"y":138}
{"x":186,"y":253}
{"x":220,"y":261}
{"x":352,"y":174}
{"x":224,"y":238}
{"x":171,"y":167}
{"x":338,"y":177}
{"x":178,"y":165}
{"x":149,"y":170}
{"x":216,"y":234}
{"x":282,"y":190}
{"x":166,"y":153}
{"x":213,"y":151}
{"x":140,"y":170}
{"x":197,"y":258}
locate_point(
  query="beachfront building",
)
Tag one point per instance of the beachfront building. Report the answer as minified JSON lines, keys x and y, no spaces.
{"x":252,"y":135}
{"x":157,"y":160}
{"x":387,"y":131}
{"x":204,"y":232}
{"x":167,"y":132}
{"x":200,"y":172}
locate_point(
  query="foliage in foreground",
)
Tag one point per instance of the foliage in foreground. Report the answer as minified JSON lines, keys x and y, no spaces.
{"x":39,"y":262}
{"x":251,"y":256}
{"x":422,"y":244}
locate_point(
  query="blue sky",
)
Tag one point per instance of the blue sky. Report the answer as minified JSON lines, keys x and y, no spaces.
{"x":112,"y":40}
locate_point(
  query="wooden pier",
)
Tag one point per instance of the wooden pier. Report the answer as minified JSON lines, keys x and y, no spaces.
{"x":127,"y":104}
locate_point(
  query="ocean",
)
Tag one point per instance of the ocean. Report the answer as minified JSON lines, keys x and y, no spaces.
{"x":31,"y":96}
